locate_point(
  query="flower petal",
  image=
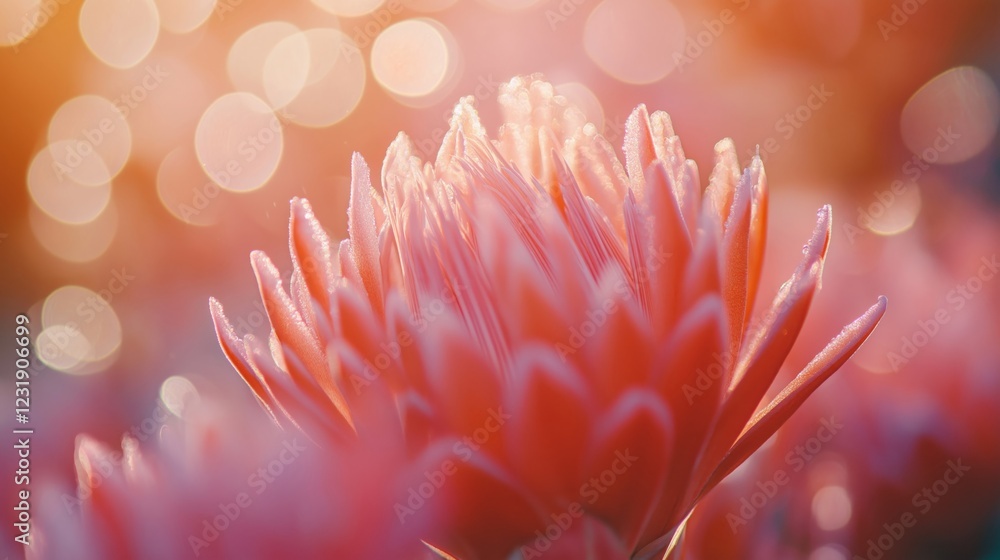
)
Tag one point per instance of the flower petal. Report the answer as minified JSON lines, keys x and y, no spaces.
{"x":763,"y":425}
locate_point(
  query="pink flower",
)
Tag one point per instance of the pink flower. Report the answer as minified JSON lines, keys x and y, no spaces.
{"x":219,"y":483}
{"x":564,"y":341}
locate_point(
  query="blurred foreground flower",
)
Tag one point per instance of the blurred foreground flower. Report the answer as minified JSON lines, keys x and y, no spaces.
{"x":566,"y":340}
{"x":219,"y":483}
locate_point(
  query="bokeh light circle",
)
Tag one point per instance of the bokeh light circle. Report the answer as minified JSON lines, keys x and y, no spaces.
{"x":120,"y":33}
{"x":348,"y":8}
{"x":246,"y":58}
{"x":512,"y":5}
{"x":61,"y":348}
{"x":75,"y":243}
{"x":335,"y":83}
{"x":953,"y":117}
{"x":286,"y":69}
{"x":239,"y":141}
{"x":634,"y":41}
{"x":828,"y":552}
{"x":410,"y":58}
{"x":897,"y":216}
{"x":429,"y":5}
{"x":177,"y":393}
{"x":53,"y":185}
{"x":184,"y":189}
{"x":831,"y":507}
{"x":98,"y":129}
{"x":20,"y":19}
{"x":82,"y":326}
{"x":585,"y":100}
{"x":184,"y":16}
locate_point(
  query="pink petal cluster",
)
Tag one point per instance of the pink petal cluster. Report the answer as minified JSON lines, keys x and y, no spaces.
{"x":538,"y":348}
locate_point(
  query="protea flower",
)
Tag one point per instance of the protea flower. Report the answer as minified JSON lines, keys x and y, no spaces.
{"x":564,"y":341}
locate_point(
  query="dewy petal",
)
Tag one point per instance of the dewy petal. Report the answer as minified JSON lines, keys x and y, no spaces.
{"x":463,"y":125}
{"x":718,"y":198}
{"x":760,"y":362}
{"x":758,"y":233}
{"x":233,"y":348}
{"x":640,"y":152}
{"x":363,"y":232}
{"x":767,"y":421}
{"x":662,"y":250}
{"x":288,"y":326}
{"x":735,"y":251}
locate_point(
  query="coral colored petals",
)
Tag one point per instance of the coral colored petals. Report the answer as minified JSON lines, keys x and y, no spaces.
{"x":639,"y":149}
{"x":691,"y":373}
{"x":758,"y":234}
{"x":310,"y":247}
{"x":666,"y":257}
{"x":549,"y":409}
{"x":629,"y":463}
{"x":528,"y":324}
{"x":232,"y":347}
{"x":363,"y":230}
{"x":735,"y":250}
{"x":718,"y":197}
{"x":771,"y":417}
{"x":760,"y":362}
{"x":464,"y":384}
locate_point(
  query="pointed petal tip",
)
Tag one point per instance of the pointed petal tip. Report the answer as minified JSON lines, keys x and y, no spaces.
{"x":215,"y":308}
{"x":725,"y":145}
{"x":260,"y":261}
{"x":219,"y":319}
{"x":877,"y":310}
{"x":300,"y":206}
